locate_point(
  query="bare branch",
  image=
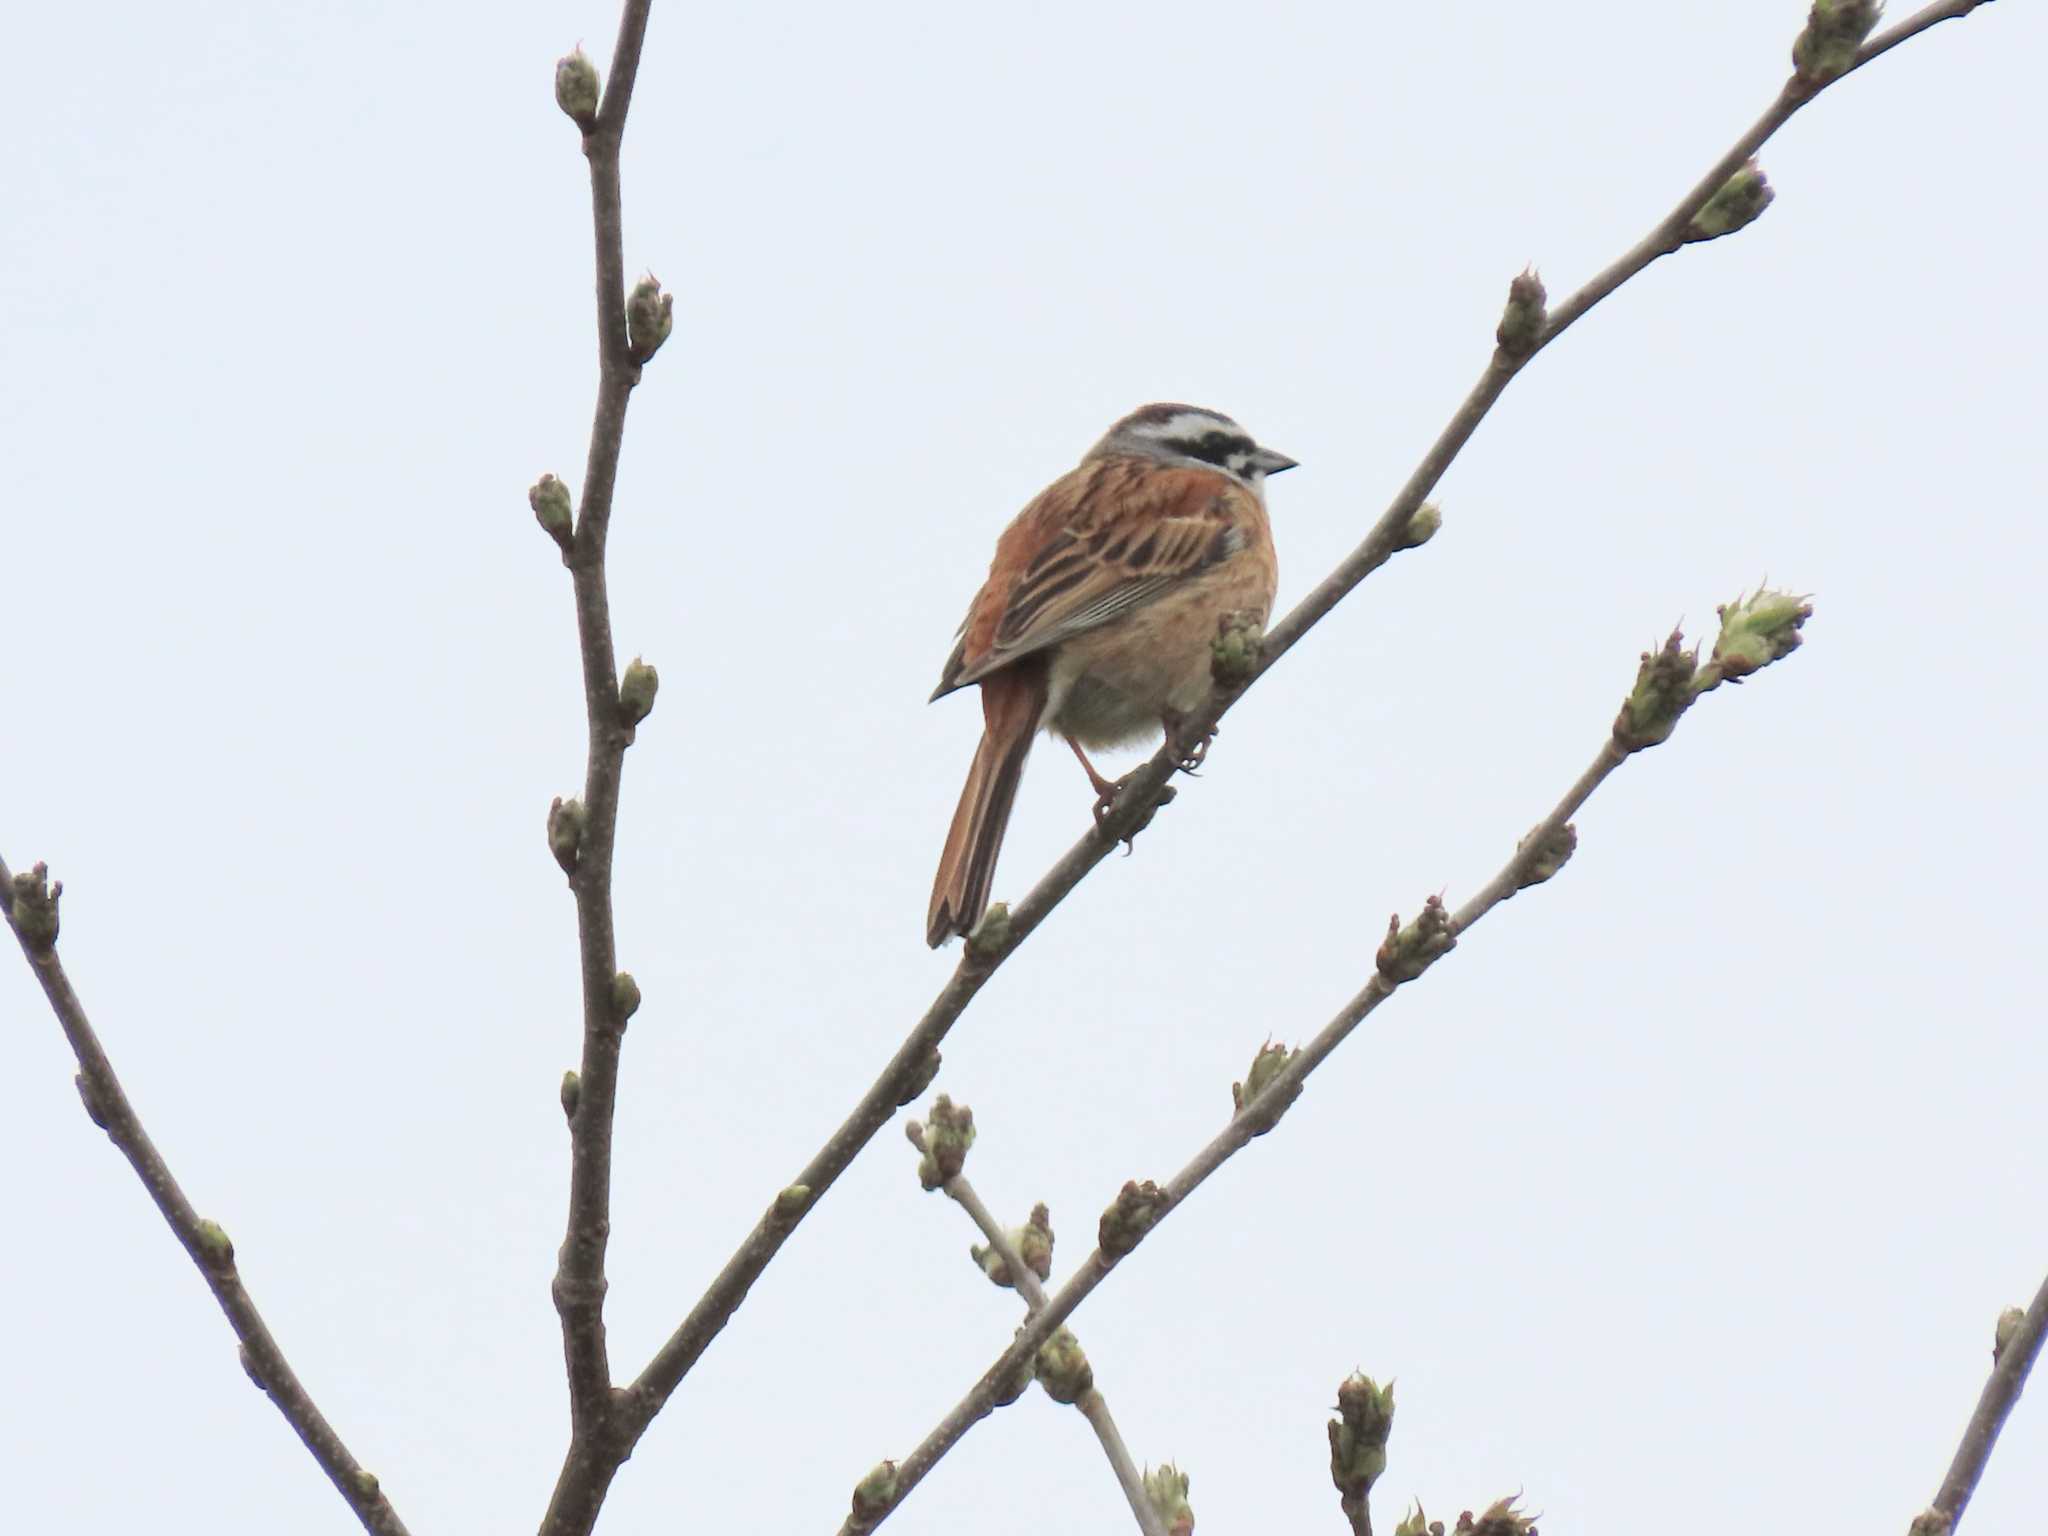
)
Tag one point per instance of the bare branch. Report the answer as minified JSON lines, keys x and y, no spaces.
{"x":2012,"y":1357}
{"x":1094,"y":1407}
{"x":34,"y":925}
{"x":1667,"y":684}
{"x":595,"y":1449}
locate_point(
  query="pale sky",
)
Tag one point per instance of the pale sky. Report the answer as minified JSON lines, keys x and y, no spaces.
{"x":1686,"y":1192}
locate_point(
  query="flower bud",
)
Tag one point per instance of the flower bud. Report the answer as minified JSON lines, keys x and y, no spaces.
{"x":2010,"y":1322}
{"x":1542,"y":862}
{"x":1358,"y":1437}
{"x":1266,"y":1066}
{"x":1407,"y":952}
{"x":33,"y":905}
{"x":1062,"y":1369}
{"x":553,"y":509}
{"x":1521,"y":323}
{"x":650,"y":316}
{"x":576,"y":88}
{"x":1756,"y":631}
{"x":1234,"y":653}
{"x":1422,"y":526}
{"x":872,"y":1496}
{"x":991,"y":936}
{"x":625,"y":996}
{"x":1734,"y":206}
{"x":1166,"y":1490}
{"x":636,"y":691}
{"x":947,"y":1136}
{"x":566,"y":821}
{"x":1665,"y":688}
{"x":1831,"y":39}
{"x":572,"y":1094}
{"x":215,"y":1245}
{"x":1129,"y":1217}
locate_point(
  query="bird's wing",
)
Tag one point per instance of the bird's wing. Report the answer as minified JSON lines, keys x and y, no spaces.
{"x":1096,"y":544}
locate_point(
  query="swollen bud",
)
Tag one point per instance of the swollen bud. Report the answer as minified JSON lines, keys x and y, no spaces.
{"x":1546,"y":858}
{"x":1833,"y":36}
{"x":921,"y":1077}
{"x":872,"y":1496}
{"x":215,"y":1245}
{"x":991,"y":936}
{"x":2010,"y":1322}
{"x":566,"y":821}
{"x":947,"y":1136}
{"x":1422,"y":526}
{"x":650,"y":316}
{"x":1266,"y":1066}
{"x":1735,"y":206}
{"x":572,"y":1094}
{"x":1062,"y":1369}
{"x":1358,"y":1437}
{"x":576,"y":89}
{"x":1234,"y":653}
{"x":1756,"y":631}
{"x":1129,"y":1217}
{"x":553,"y":510}
{"x":637,"y":688}
{"x":1407,"y":952}
{"x":1501,"y":1518}
{"x":1521,"y":323}
{"x":1166,"y":1490}
{"x":1665,"y":688}
{"x":625,"y":996}
{"x":33,"y":907}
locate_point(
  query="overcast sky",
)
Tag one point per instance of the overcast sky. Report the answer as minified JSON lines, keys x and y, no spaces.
{"x":1685,"y":1193}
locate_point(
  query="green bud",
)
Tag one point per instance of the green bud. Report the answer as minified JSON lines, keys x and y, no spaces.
{"x":1665,"y":688}
{"x":1240,"y":642}
{"x":1831,"y":39}
{"x":215,"y":1245}
{"x":572,"y":1094}
{"x":1032,"y":1243}
{"x":1500,"y":1519}
{"x":991,"y":936}
{"x":566,"y":821}
{"x":1422,"y":526}
{"x":792,"y":1202}
{"x":947,"y":1136}
{"x":1130,"y":1216}
{"x":1418,"y":1524}
{"x":1521,"y":323}
{"x":2010,"y":1321}
{"x":1019,"y":1382}
{"x":636,"y":691}
{"x":1408,"y":952}
{"x":1540,"y":863}
{"x":1930,"y":1522}
{"x":1062,"y":1369}
{"x":553,"y":509}
{"x":366,"y":1483}
{"x":34,"y":908}
{"x":650,"y":316}
{"x":1166,"y":1490}
{"x":1734,"y":206}
{"x":1358,"y":1437}
{"x":873,"y":1495}
{"x":576,"y":88}
{"x":625,"y":996}
{"x":1756,"y":631}
{"x":1268,"y":1064}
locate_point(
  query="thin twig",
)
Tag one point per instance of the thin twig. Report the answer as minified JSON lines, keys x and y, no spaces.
{"x":1144,"y":786}
{"x":596,"y":1449}
{"x":2013,"y":1360}
{"x":1251,"y":1119}
{"x":207,"y":1244}
{"x":1094,"y":1407}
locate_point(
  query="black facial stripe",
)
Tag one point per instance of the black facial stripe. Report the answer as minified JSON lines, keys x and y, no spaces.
{"x":1217,"y":446}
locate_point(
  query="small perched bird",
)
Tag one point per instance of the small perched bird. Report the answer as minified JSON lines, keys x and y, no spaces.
{"x":1097,"y":616}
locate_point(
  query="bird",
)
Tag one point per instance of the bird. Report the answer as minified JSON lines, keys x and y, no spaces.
{"x":1096,"y":621}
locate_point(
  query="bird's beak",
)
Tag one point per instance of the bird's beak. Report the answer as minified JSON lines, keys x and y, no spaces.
{"x":1267,"y":462}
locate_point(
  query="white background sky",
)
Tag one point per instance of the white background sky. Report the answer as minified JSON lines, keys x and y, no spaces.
{"x":1686,"y":1193}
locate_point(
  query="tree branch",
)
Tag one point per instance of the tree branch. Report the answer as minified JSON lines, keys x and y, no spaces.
{"x":586,"y":842}
{"x":208,"y":1245}
{"x":2011,"y":1360}
{"x":1145,"y":788}
{"x":1666,"y":685}
{"x":1024,"y":1279}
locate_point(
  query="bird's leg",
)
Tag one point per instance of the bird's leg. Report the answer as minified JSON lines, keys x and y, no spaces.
{"x":1105,"y":789}
{"x":1191,"y":752}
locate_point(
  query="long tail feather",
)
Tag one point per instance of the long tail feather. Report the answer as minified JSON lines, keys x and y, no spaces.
{"x":1011,"y":702}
